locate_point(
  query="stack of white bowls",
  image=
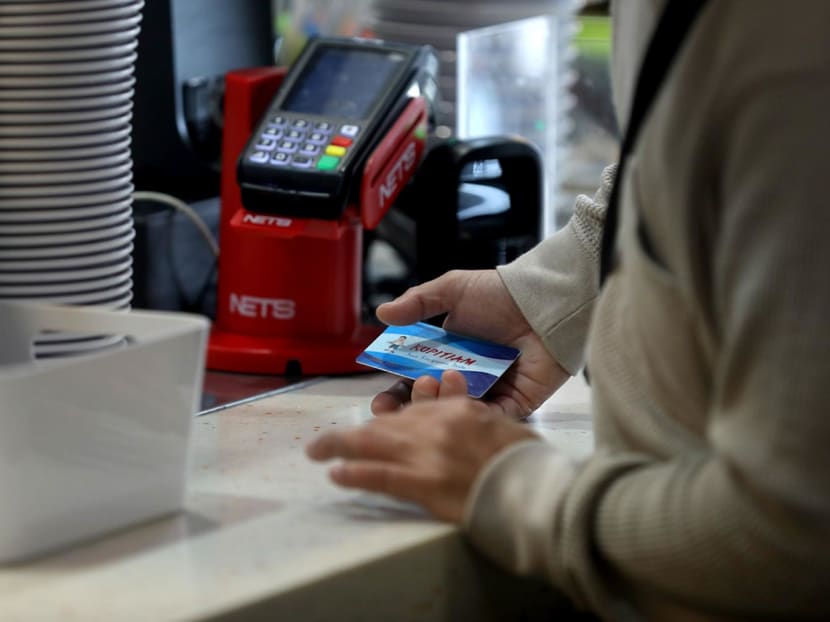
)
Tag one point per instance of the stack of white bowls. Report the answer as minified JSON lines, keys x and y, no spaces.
{"x":66,"y":88}
{"x":438,"y":23}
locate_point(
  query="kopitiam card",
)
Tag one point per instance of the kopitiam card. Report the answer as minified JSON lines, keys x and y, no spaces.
{"x":425,"y":350}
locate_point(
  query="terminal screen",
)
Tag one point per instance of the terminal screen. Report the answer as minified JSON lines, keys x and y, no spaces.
{"x":342,"y":82}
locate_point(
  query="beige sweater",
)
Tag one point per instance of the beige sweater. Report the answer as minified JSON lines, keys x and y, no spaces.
{"x":709,"y":490}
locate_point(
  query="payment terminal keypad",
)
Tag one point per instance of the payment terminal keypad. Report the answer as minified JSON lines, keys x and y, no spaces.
{"x":301,"y":143}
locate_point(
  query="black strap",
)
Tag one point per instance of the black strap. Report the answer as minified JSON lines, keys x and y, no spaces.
{"x":675,"y":23}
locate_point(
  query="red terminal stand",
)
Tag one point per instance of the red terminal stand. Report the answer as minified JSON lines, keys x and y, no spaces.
{"x":289,"y":290}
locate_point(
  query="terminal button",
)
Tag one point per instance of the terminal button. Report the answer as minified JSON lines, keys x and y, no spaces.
{"x":334,"y":150}
{"x":349,"y":130}
{"x":327,"y":163}
{"x":266,"y":144}
{"x":288,"y":146}
{"x":301,"y":161}
{"x":317,"y":137}
{"x":341,"y":141}
{"x":272,"y":132}
{"x":260,"y":157}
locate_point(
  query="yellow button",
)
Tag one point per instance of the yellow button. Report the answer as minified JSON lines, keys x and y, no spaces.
{"x":334,"y":150}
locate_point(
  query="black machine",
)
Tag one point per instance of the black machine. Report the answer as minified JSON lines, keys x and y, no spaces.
{"x":338,"y":100}
{"x":475,"y":203}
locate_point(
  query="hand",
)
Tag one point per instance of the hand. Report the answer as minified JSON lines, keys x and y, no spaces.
{"x":478,"y":305}
{"x":430,"y":453}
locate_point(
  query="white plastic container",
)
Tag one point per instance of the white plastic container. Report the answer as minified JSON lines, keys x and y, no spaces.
{"x":93,"y":443}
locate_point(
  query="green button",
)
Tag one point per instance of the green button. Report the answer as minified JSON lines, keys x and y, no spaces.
{"x":327,"y":163}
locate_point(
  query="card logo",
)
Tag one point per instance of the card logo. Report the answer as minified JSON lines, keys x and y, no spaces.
{"x":427,"y":348}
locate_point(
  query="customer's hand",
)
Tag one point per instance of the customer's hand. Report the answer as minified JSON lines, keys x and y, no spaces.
{"x":477,"y":305}
{"x":430,"y":453}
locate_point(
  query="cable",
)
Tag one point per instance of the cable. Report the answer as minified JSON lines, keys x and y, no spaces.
{"x":184,"y":208}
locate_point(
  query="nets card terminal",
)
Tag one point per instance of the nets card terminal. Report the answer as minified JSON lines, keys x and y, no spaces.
{"x":306,"y":154}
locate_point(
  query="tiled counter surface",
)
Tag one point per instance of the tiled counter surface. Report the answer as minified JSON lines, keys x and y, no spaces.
{"x":266,"y":536}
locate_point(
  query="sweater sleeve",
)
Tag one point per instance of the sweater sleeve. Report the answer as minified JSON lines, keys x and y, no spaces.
{"x":556,"y":283}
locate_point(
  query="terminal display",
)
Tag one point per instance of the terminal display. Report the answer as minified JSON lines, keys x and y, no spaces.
{"x":344,"y":82}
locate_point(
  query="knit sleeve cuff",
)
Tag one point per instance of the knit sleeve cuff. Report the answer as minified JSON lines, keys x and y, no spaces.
{"x":555,"y":285}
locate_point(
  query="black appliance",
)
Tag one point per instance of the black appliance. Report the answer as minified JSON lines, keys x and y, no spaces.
{"x":478,"y":204}
{"x":472,"y":204}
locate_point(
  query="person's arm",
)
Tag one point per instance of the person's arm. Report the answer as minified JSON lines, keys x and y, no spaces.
{"x":556,"y":283}
{"x":742,"y":526}
{"x":540,"y":304}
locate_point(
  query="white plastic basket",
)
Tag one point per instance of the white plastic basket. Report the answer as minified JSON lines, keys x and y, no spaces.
{"x":93,"y":443}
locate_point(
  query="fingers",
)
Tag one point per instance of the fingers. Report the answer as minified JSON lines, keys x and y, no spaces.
{"x":366,"y":443}
{"x":453,"y":384}
{"x":425,"y":388}
{"x":377,"y":477}
{"x":401,"y":482}
{"x":423,"y":301}
{"x":392,"y":399}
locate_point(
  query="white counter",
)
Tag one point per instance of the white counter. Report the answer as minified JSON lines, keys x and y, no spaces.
{"x":265,"y":534}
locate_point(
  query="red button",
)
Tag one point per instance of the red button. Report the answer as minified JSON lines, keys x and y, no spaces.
{"x":341,"y":141}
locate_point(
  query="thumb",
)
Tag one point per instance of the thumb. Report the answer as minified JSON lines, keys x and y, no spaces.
{"x":423,"y":301}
